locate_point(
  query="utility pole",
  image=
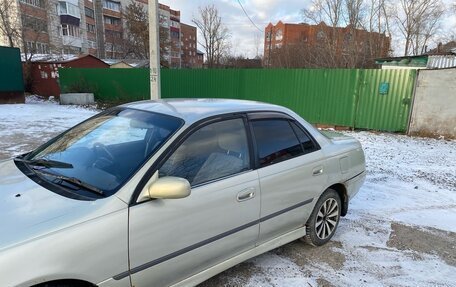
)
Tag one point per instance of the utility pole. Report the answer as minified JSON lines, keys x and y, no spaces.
{"x":270,"y":47}
{"x":154,"y":51}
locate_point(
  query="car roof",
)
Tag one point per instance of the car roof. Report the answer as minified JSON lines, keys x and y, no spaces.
{"x":193,"y":110}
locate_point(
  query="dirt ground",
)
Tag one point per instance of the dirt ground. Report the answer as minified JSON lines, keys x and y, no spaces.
{"x":415,"y":242}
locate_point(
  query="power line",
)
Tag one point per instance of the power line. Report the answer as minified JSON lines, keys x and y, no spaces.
{"x":239,"y":1}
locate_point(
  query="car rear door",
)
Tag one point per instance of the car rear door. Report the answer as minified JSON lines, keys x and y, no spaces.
{"x":173,"y":239}
{"x":291,"y":170}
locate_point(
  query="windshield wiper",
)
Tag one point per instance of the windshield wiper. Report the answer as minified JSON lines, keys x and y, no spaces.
{"x":45,"y":162}
{"x":72,"y":180}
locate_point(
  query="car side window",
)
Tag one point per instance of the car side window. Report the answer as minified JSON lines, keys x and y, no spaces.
{"x":275,"y":140}
{"x":307,"y":144}
{"x":212,"y":152}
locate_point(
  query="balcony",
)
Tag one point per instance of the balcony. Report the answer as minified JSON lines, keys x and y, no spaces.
{"x":72,"y":41}
{"x":69,"y":8}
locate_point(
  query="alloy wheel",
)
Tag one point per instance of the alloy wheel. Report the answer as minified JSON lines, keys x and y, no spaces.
{"x":327,"y":218}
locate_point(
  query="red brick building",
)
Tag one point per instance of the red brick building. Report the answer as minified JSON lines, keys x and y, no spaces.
{"x":286,"y":34}
{"x":113,"y":29}
{"x":188,"y":54}
{"x":34,"y":20}
{"x":91,"y":27}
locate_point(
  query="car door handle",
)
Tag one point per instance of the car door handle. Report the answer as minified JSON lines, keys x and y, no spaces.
{"x":317,"y":171}
{"x":246,"y":194}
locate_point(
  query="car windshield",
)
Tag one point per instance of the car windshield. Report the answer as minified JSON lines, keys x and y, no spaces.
{"x":98,"y":156}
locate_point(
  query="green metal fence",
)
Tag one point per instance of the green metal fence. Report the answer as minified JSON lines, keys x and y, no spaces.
{"x":11,"y":79}
{"x":112,"y":85}
{"x":371,"y":99}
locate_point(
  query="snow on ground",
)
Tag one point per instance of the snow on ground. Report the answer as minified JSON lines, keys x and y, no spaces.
{"x":400,"y":230}
{"x":24,"y":126}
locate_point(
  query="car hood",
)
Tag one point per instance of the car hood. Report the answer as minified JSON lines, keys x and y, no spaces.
{"x":29,"y":211}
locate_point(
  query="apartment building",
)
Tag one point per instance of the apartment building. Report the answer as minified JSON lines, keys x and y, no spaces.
{"x":47,"y":26}
{"x":188,"y":53}
{"x":28,"y":23}
{"x":181,"y":38}
{"x":286,"y":34}
{"x":102,"y":28}
{"x":93,"y":26}
{"x":169,"y":20}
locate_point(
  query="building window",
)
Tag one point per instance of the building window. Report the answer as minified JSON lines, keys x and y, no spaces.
{"x":37,"y":3}
{"x":70,"y":30}
{"x":91,"y":44}
{"x":35,"y":24}
{"x":37,"y":47}
{"x":89,"y":12}
{"x":69,"y":9}
{"x":348,"y":39}
{"x":164,"y":21}
{"x":90,"y":28}
{"x":175,"y":24}
{"x":111,"y":20}
{"x":113,"y":34}
{"x":279,"y":35}
{"x":111,"y":47}
{"x":111,"y":5}
{"x":174,"y":35}
{"x":320,"y":35}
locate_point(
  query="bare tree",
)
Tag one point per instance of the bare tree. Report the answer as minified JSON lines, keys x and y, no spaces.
{"x":354,"y":12}
{"x":214,"y":34}
{"x":417,"y":21}
{"x":34,"y":32}
{"x":257,"y":40}
{"x":353,"y":37}
{"x":9,"y":22}
{"x":137,"y":37}
{"x":328,"y":11}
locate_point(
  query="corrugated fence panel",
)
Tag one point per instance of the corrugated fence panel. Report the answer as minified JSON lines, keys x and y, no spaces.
{"x":338,"y":101}
{"x":344,"y":97}
{"x":200,"y":83}
{"x":389,"y":111}
{"x":11,"y":79}
{"x":111,"y":85}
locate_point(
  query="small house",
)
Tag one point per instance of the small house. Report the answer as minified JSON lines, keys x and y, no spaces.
{"x":45,"y":71}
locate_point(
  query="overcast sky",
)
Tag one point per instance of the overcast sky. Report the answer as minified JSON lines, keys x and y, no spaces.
{"x":245,"y":38}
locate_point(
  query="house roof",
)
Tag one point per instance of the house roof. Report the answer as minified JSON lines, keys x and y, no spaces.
{"x":441,"y":61}
{"x":56,"y":59}
{"x":420,"y":61}
{"x":409,"y":61}
{"x":444,"y":49}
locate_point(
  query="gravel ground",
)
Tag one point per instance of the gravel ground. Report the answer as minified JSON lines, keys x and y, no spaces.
{"x":400,"y":229}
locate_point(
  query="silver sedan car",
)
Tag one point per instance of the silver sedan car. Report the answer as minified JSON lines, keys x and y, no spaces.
{"x":170,"y":193}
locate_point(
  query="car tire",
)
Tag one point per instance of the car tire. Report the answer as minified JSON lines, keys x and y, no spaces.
{"x":323,"y":221}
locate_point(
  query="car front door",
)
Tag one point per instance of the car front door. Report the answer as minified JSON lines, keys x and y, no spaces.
{"x":173,"y":239}
{"x":291,"y":169}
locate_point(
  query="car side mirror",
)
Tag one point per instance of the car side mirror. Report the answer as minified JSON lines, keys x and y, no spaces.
{"x":170,"y":187}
